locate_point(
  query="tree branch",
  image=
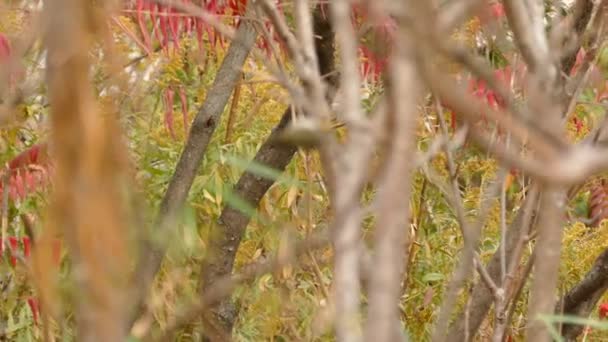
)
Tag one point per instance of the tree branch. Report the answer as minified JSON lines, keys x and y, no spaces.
{"x":583,"y":297}
{"x":202,"y":129}
{"x":230,"y":227}
{"x":392,"y":230}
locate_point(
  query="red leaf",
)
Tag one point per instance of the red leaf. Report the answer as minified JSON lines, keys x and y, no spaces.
{"x":262,"y":44}
{"x":164,"y":35}
{"x":34,"y":155}
{"x":373,"y":65}
{"x":198,"y":26}
{"x":504,"y":75}
{"x":498,"y":10}
{"x":491,"y":98}
{"x":154,"y":9}
{"x":598,"y":204}
{"x":580,"y":57}
{"x":578,"y":123}
{"x":238,"y":6}
{"x":30,"y":181}
{"x":33,"y":304}
{"x":491,"y":13}
{"x":142,"y":6}
{"x":603,"y":310}
{"x":211,"y":6}
{"x":174,"y":26}
{"x":479,"y":88}
{"x":5,"y":48}
{"x":26,"y":246}
{"x":19,"y":184}
{"x":27,"y":171}
{"x":188,"y":21}
{"x":13,"y":244}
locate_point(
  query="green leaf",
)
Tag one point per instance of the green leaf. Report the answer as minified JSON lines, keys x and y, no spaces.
{"x":603,"y":58}
{"x":190,"y":229}
{"x":261,"y":170}
{"x":182,"y":76}
{"x":550,"y":321}
{"x":569,"y":319}
{"x":432,"y":277}
{"x":236,"y":202}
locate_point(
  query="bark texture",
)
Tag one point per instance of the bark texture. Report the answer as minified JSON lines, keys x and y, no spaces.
{"x":482,"y":298}
{"x":230,"y":227}
{"x":582,"y":14}
{"x":583,"y":297}
{"x":202,"y":129}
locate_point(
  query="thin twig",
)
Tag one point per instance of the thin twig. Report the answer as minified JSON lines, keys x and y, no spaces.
{"x":470,"y":234}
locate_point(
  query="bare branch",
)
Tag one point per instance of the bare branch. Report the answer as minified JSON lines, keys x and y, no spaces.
{"x":231,"y":225}
{"x":526,"y":19}
{"x":392,"y":234}
{"x":548,"y":248}
{"x":87,"y":200}
{"x":582,"y":298}
{"x":346,"y":238}
{"x":202,"y":128}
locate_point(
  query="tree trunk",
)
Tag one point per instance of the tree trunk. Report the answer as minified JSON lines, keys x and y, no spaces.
{"x":481,"y":297}
{"x":583,"y":297}
{"x":230,"y":227}
{"x":202,"y":129}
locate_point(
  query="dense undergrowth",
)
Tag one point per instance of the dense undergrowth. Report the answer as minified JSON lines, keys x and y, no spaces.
{"x":290,"y":304}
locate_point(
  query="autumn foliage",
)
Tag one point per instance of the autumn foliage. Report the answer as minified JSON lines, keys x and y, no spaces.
{"x":98,"y":125}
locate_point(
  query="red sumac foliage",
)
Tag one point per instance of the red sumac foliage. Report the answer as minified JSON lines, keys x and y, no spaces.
{"x":480,"y":89}
{"x":603,"y":310}
{"x":598,"y":203}
{"x":167,"y":25}
{"x":23,"y":247}
{"x":33,"y":304}
{"x":5,"y":48}
{"x":27,"y":172}
{"x":491,"y":12}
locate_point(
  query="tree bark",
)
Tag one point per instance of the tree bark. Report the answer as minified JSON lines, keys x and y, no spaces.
{"x":482,"y":298}
{"x":582,"y":14}
{"x":87,"y":197}
{"x":583,"y":297}
{"x":230,"y":227}
{"x":202,"y":129}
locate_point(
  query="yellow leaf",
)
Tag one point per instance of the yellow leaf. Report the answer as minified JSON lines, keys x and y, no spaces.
{"x":287,"y":272}
{"x":208,"y":196}
{"x":291,"y":195}
{"x":265,"y":282}
{"x":256,"y":254}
